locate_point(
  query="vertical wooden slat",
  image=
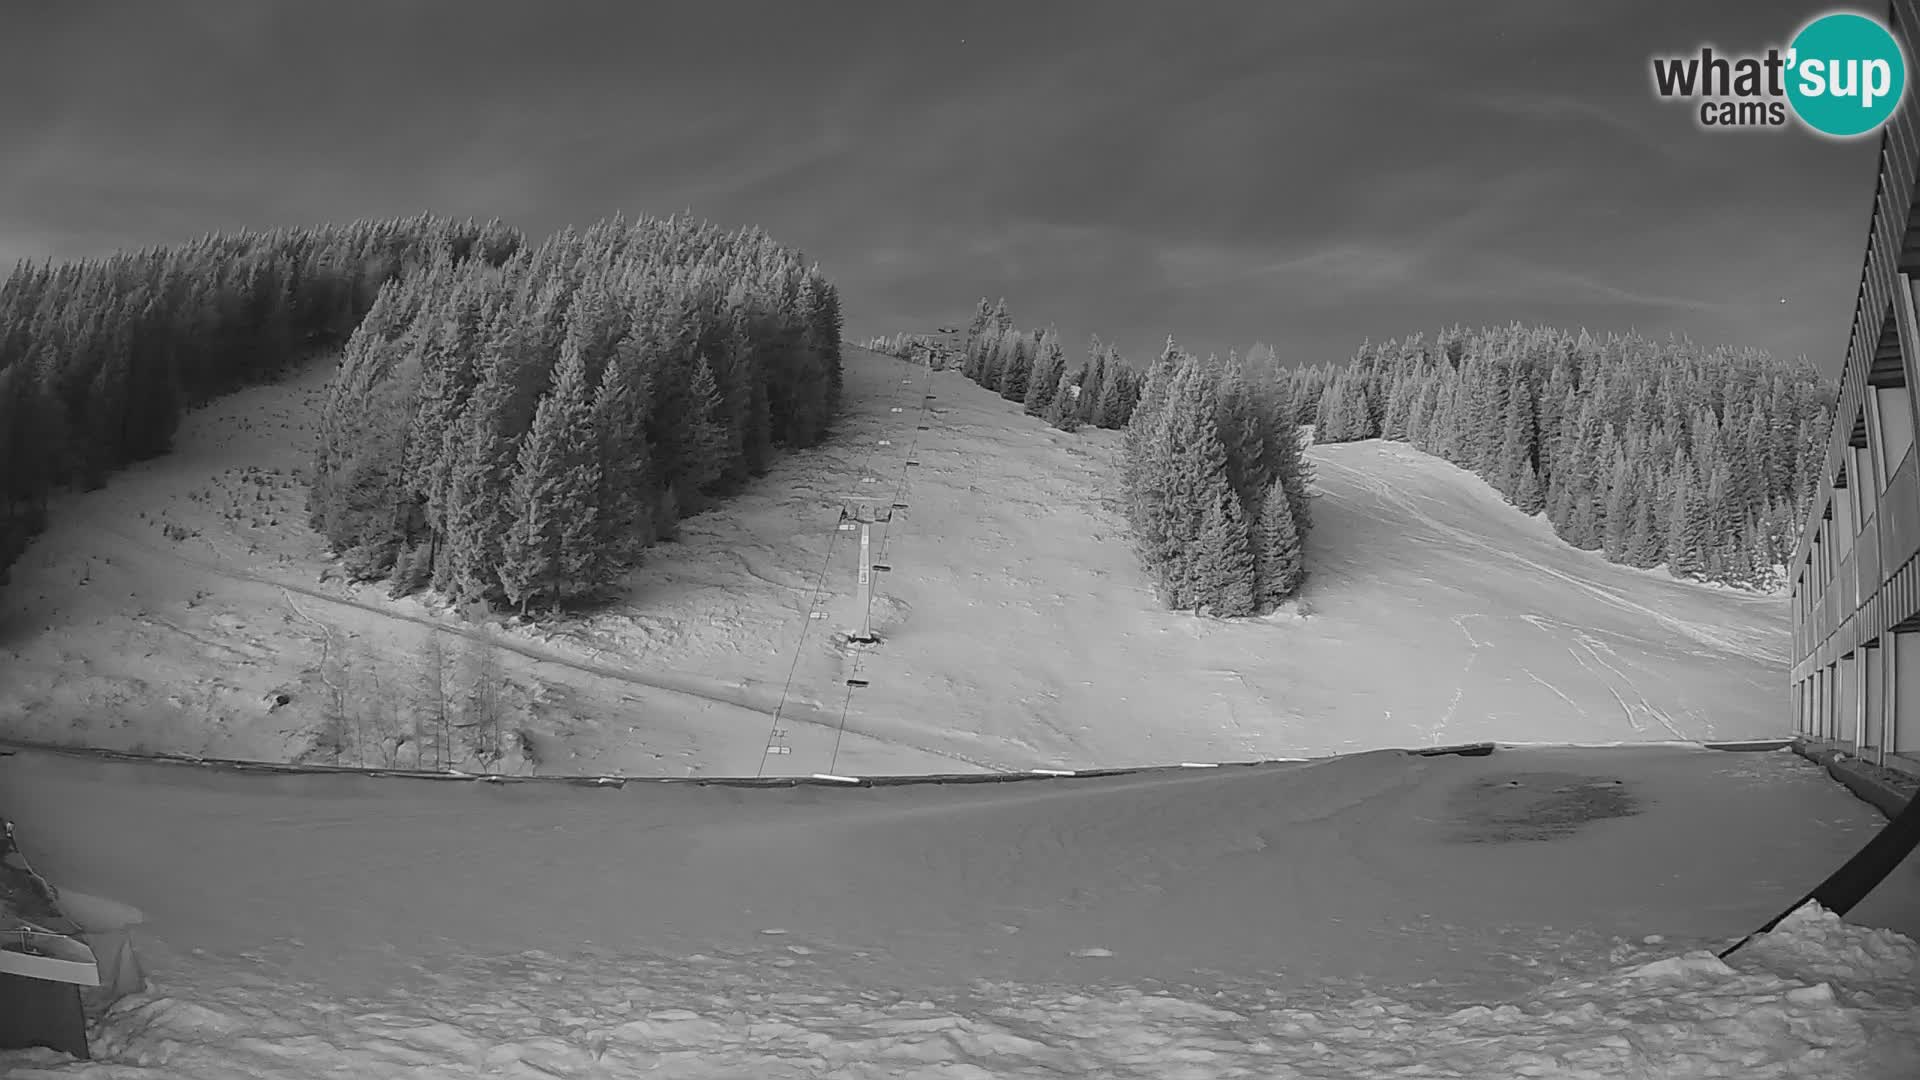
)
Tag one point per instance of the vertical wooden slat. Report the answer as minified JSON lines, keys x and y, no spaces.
{"x":1901,"y":149}
{"x":1906,"y":329}
{"x":1866,"y":554}
{"x":1898,"y":150}
{"x":1900,"y":596}
{"x":1890,"y":219}
{"x":1881,"y":261}
{"x":1886,"y":262}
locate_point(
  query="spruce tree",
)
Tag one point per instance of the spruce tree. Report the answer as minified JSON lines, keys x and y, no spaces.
{"x":1049,"y":366}
{"x":629,"y":489}
{"x":1492,"y":417}
{"x":1527,"y":495}
{"x":1399,"y":408}
{"x":1642,"y":542}
{"x":1333,"y":422}
{"x":1286,"y":460}
{"x":1516,"y":447}
{"x":482,"y":463}
{"x":553,"y":547}
{"x":1019,"y":370}
{"x":1361,"y":423}
{"x":1118,"y":391}
{"x":1147,"y":473}
{"x":1130,"y":384}
{"x":1685,"y":535}
{"x":707,"y":432}
{"x":443,"y":347}
{"x":982,"y":317}
{"x":106,"y":421}
{"x":993,"y":368}
{"x":1419,"y":412}
{"x":1063,"y":409}
{"x":1197,"y":473}
{"x":1720,"y":523}
{"x":1093,"y":382}
{"x":1279,"y":562}
{"x":973,"y":362}
{"x":1223,"y":564}
{"x":1242,"y":430}
{"x":1620,"y":499}
{"x":1583,"y":528}
{"x":1159,"y":379}
{"x":1174,"y":459}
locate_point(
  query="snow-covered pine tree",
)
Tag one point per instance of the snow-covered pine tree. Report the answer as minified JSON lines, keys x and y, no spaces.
{"x":1019,"y":370}
{"x":1049,"y":364}
{"x":982,"y":318}
{"x":553,"y":549}
{"x":1119,"y":392}
{"x":629,"y":489}
{"x":1279,"y":558}
{"x":1242,"y":430}
{"x":1222,"y":570}
{"x":1063,"y":409}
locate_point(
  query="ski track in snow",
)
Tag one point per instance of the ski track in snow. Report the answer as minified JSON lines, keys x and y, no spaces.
{"x":1585,"y":649}
{"x":1556,"y":692}
{"x":1387,"y":493}
{"x":1585,"y":646}
{"x":1593,"y":647}
{"x":1439,"y":730}
{"x":1817,"y":998}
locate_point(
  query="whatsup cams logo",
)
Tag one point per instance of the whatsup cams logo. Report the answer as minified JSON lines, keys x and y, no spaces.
{"x":1841,"y":75}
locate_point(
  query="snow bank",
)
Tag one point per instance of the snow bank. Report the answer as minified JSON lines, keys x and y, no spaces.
{"x":1815,"y":998}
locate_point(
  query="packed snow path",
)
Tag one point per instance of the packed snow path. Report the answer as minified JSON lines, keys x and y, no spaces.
{"x":1536,"y":912}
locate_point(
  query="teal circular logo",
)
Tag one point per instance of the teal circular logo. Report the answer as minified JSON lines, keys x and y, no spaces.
{"x":1846,"y":74}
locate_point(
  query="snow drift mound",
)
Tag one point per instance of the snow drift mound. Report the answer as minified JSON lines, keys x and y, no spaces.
{"x":1816,"y":998}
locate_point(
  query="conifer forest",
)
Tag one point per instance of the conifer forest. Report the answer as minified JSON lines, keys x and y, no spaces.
{"x":511,"y":423}
{"x":515,"y":423}
{"x":1700,"y":459}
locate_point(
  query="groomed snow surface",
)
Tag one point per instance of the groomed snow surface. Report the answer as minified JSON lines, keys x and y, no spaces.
{"x":1537,"y":912}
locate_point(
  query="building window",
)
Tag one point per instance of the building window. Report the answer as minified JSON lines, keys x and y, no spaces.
{"x":1895,"y":414}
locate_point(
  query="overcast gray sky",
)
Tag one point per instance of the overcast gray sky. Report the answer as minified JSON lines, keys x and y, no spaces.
{"x":1303,"y":173}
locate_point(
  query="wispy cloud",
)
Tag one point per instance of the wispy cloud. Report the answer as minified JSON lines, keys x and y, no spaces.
{"x":1338,"y":269}
{"x":1562,"y":109}
{"x":1493,"y":276}
{"x":1351,"y":264}
{"x":1578,"y":284}
{"x":1424,"y":221}
{"x":1351,"y":272}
